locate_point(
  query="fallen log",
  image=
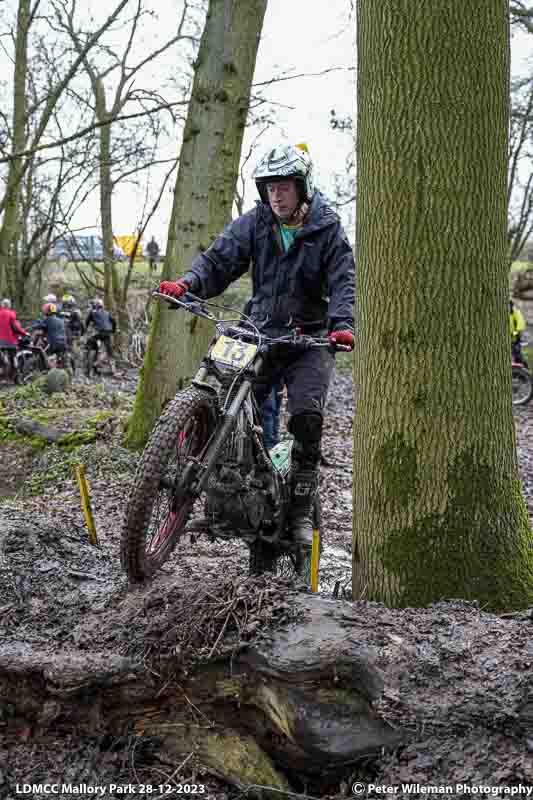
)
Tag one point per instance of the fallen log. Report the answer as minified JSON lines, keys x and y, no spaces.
{"x":299,"y":700}
{"x":31,"y":427}
{"x":266,"y":685}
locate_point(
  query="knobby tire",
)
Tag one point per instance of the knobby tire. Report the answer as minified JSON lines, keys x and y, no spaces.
{"x":154,"y":522}
{"x":522,"y":375}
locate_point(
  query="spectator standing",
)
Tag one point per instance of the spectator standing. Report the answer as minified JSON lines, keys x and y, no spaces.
{"x":152,"y":248}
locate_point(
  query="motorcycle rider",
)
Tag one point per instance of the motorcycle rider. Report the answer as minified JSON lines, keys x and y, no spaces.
{"x":10,"y":331}
{"x":517,"y":325}
{"x":73,"y":322}
{"x":51,"y":298}
{"x":53,"y":326}
{"x":104,"y":325}
{"x":303,"y":277}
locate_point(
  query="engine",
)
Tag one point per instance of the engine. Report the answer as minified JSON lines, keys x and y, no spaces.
{"x":241,"y":503}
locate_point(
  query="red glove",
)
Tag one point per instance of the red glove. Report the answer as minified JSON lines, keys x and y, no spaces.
{"x":342,"y":337}
{"x":174,"y":288}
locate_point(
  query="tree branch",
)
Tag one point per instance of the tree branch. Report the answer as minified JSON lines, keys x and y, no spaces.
{"x":93,"y":126}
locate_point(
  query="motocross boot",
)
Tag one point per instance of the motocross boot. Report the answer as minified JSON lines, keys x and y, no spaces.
{"x":304,"y":489}
{"x":304,"y":484}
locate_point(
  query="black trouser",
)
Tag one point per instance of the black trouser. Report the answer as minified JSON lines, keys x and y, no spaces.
{"x":516,"y":350}
{"x":307,"y":376}
{"x":58,"y":349}
{"x":72,"y":335}
{"x":105,"y":338}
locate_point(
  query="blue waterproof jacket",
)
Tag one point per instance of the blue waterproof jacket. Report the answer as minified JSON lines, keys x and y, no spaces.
{"x":102,"y":320}
{"x":312,"y":285}
{"x":54,"y":327}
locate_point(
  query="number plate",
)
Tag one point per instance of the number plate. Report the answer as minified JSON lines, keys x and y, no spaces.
{"x":230,"y":351}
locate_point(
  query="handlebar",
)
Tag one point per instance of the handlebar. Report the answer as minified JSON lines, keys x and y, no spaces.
{"x":197,"y":306}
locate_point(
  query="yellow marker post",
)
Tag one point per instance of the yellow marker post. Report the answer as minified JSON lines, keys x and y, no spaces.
{"x":314,"y":560}
{"x":86,"y":503}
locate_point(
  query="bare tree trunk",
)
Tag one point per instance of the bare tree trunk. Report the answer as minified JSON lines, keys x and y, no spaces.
{"x":438,"y":508}
{"x":8,"y":230}
{"x":110,"y":276}
{"x":106,"y":193}
{"x":520,"y":187}
{"x":203,"y":197}
{"x":18,"y":167}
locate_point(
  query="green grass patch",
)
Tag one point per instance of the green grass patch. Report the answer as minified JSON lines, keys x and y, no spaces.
{"x":57,"y":464}
{"x":28,"y":392}
{"x":142,"y":276}
{"x":344,"y":362}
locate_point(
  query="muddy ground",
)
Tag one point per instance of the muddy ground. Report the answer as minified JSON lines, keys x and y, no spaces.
{"x":457,"y":680}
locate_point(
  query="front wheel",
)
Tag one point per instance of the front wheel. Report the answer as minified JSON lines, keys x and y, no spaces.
{"x":155,"y":515}
{"x":28,"y":367}
{"x":522,"y":386}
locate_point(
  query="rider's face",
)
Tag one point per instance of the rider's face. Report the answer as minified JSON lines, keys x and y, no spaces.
{"x":283,"y":198}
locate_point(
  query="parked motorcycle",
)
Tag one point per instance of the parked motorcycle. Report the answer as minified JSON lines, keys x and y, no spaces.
{"x":28,"y":362}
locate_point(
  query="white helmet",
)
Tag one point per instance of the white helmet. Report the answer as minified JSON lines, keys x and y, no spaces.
{"x":6,"y":303}
{"x":286,"y":161}
{"x":50,"y":298}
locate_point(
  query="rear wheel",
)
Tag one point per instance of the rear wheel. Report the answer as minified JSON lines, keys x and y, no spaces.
{"x":28,"y":367}
{"x":522,"y":386}
{"x":155,"y":515}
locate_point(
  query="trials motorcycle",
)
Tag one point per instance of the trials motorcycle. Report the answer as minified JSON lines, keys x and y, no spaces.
{"x":205,"y":469}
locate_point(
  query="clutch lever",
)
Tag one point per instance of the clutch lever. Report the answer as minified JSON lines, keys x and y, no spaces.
{"x":191,"y":303}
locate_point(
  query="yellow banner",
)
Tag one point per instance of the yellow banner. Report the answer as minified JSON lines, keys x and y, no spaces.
{"x":127,"y":243}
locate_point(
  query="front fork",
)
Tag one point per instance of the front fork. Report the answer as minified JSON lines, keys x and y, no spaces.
{"x":195,"y":482}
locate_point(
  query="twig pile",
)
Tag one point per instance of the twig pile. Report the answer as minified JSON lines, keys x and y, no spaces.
{"x":219,"y":620}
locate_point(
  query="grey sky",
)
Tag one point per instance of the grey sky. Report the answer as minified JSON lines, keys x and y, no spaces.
{"x":300,"y":36}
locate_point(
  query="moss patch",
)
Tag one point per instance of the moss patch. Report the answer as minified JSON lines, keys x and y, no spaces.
{"x":56,"y":465}
{"x":397,"y":463}
{"x":241,"y":758}
{"x":478,"y":549}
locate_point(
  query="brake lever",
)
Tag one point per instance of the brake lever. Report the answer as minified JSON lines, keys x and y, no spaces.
{"x":333,"y":347}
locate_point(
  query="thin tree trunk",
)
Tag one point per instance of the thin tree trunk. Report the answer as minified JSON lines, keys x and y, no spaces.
{"x":8,"y":230}
{"x":203,"y":197}
{"x":438,"y":504}
{"x":106,"y":192}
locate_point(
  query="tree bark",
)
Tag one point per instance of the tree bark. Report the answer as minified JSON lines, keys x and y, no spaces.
{"x":203,"y":196}
{"x":106,"y":194}
{"x":438,"y":508}
{"x":8,"y":230}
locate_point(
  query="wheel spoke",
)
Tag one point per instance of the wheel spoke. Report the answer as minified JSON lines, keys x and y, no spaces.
{"x":170,"y":515}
